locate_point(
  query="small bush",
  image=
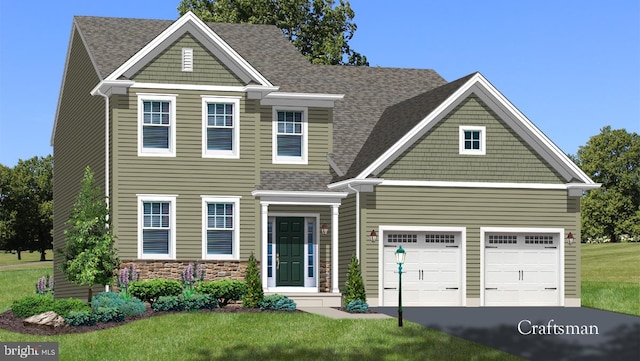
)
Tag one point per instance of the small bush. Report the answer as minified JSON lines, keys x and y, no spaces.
{"x":277,"y":303}
{"x":225,"y":291}
{"x":32,"y":305}
{"x":133,"y":307}
{"x":354,"y":287}
{"x":108,"y":314}
{"x":168,"y":303}
{"x":357,"y":306}
{"x":254,"y":293}
{"x":200,"y":302}
{"x":151,"y":290}
{"x":80,"y":318}
{"x":64,"y":306}
{"x":106,"y":299}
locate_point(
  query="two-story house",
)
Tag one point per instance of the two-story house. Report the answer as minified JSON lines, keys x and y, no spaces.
{"x":214,"y":141}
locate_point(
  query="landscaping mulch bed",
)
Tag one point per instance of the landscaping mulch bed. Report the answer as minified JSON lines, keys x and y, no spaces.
{"x":10,"y":322}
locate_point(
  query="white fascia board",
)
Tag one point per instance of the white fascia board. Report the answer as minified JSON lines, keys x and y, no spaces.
{"x":411,"y":183}
{"x":406,"y":140}
{"x":353,"y":182}
{"x":301,"y":99}
{"x":201,"y":26}
{"x":298,"y":194}
{"x":109,"y":87}
{"x":253,"y":91}
{"x":300,"y":198}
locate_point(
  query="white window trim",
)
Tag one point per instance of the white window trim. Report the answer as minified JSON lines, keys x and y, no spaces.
{"x":172,"y":224}
{"x":187,"y":59}
{"x":236,"y":226}
{"x":483,"y":140}
{"x":228,"y":154}
{"x":171,"y":98}
{"x":303,"y":159}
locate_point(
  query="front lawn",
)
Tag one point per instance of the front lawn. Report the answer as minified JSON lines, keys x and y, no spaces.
{"x":611,"y":277}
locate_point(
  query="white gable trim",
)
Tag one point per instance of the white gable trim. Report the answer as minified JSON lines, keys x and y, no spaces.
{"x":233,"y":60}
{"x":548,"y":150}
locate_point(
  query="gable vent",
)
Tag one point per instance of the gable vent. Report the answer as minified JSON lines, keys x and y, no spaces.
{"x":187,"y":59}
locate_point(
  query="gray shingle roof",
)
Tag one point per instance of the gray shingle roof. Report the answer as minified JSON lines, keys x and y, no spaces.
{"x":294,"y":181}
{"x":368,"y":90}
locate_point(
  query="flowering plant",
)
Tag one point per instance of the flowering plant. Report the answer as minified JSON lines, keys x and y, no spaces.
{"x":190,"y":276}
{"x":45,"y":285}
{"x":126,"y":276}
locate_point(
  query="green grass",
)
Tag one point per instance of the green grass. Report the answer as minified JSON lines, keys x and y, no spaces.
{"x":17,"y":283}
{"x":12,"y":259}
{"x":242,"y":336}
{"x":611,"y":277}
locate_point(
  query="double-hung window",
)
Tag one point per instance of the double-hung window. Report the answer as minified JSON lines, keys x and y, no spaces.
{"x":472,"y":140}
{"x":220,"y":132}
{"x":156,"y":227}
{"x":221,"y":228}
{"x":290,"y":136}
{"x":156,"y":125}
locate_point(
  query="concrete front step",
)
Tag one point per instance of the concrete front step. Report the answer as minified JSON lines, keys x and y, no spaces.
{"x":313,"y":299}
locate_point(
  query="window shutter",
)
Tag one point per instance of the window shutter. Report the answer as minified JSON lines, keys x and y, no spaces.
{"x":187,"y":59}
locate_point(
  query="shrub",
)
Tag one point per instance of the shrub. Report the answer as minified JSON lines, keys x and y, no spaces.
{"x":225,"y":291}
{"x":133,"y":307}
{"x":32,"y":305}
{"x":168,"y":303}
{"x":108,"y":314}
{"x":80,"y":318}
{"x":254,"y":293}
{"x":106,"y":299}
{"x":151,"y":290}
{"x":357,"y":306}
{"x":354,"y":287}
{"x":64,"y":306}
{"x":277,"y":303}
{"x":200,"y":302}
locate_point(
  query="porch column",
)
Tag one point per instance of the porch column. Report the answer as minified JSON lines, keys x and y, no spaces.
{"x":334,"y":248}
{"x":264,"y":233}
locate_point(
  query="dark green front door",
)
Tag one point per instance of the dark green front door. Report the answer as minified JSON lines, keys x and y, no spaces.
{"x":290,"y":251}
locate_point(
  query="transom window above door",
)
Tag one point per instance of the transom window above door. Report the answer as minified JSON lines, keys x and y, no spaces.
{"x":220,"y":127}
{"x":290,"y":136}
{"x":472,"y":140}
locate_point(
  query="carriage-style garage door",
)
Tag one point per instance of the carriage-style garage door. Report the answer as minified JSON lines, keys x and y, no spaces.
{"x":521,"y":269}
{"x":432,"y":273}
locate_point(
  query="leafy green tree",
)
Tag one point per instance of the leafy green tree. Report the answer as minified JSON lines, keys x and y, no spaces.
{"x":254,"y":294}
{"x":89,"y":256}
{"x":26,"y":218}
{"x":320,"y":29}
{"x":612,"y":158}
{"x":354,"y":287}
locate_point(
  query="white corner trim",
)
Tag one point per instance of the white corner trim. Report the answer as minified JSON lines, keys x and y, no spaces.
{"x":189,"y":17}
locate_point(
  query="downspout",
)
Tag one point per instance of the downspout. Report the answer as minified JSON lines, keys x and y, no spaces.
{"x":106,"y":157}
{"x":357,"y":220}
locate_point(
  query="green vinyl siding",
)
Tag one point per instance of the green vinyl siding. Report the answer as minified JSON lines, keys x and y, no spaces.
{"x":78,"y":142}
{"x":471,"y":208}
{"x":346,"y":236}
{"x":167,"y":67}
{"x":187,"y":175}
{"x":435,"y":156}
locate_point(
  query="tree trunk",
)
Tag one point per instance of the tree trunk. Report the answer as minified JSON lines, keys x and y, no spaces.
{"x":43,"y":256}
{"x":19,"y":255}
{"x":90,"y":296}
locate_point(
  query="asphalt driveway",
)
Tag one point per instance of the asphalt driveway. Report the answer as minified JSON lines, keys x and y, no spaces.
{"x":536,"y":333}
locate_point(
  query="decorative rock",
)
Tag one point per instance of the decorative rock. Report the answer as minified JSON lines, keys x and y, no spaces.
{"x":48,"y":319}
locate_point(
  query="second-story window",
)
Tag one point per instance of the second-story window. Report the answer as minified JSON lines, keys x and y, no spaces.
{"x":290,"y":136}
{"x":220,"y":134}
{"x":156,"y":125}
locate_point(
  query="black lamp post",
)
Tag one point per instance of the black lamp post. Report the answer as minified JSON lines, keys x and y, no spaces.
{"x":400,"y":257}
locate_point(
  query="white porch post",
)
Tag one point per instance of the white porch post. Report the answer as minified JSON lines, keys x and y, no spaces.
{"x":334,"y":248}
{"x":264,"y":233}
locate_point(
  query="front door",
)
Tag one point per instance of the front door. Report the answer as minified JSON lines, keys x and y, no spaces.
{"x":290,"y":251}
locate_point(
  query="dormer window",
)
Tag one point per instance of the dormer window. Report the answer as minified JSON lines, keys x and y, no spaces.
{"x":472,"y":140}
{"x":187,"y":59}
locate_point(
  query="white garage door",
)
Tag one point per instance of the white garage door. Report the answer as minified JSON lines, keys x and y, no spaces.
{"x":521,"y":270}
{"x":432,"y":271}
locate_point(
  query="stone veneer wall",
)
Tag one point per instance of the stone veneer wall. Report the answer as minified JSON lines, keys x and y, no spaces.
{"x":170,"y":269}
{"x":324,"y":276}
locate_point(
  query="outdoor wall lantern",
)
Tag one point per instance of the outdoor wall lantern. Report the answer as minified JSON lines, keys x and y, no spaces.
{"x":570,"y":238}
{"x":373,"y":236}
{"x":324,"y":228}
{"x":400,"y":257}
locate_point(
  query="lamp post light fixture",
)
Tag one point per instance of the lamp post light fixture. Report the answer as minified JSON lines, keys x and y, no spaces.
{"x":400,"y":257}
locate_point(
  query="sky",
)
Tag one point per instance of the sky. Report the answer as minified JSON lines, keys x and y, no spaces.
{"x":572,"y":67}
